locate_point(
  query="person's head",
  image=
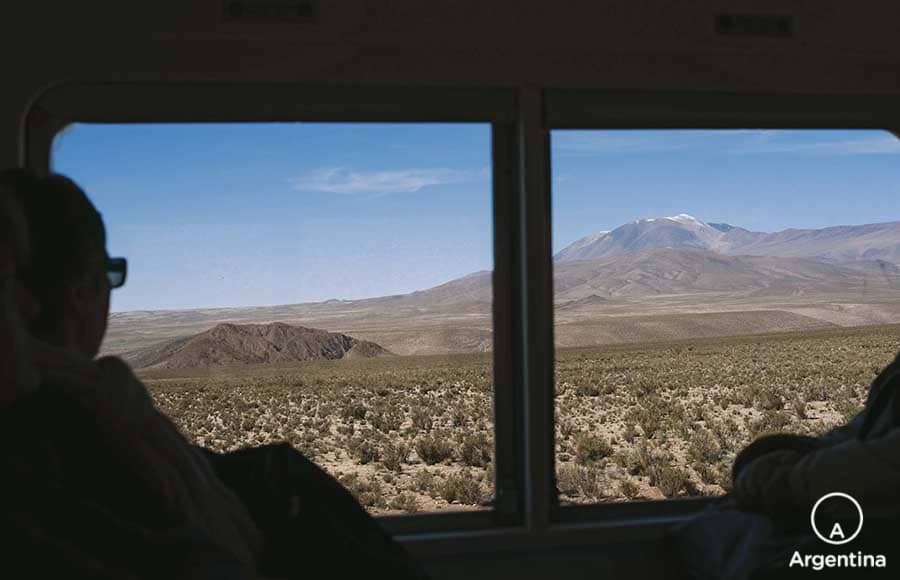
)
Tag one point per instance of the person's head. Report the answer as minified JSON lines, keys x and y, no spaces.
{"x":68,"y":272}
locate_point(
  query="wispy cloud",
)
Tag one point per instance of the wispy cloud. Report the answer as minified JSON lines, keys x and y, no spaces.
{"x":727,"y":141}
{"x":614,"y":142}
{"x":349,"y":182}
{"x":649,"y":141}
{"x":879,"y":144}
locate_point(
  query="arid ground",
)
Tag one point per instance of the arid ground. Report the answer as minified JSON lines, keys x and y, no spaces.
{"x":647,"y":421}
{"x":678,"y":343}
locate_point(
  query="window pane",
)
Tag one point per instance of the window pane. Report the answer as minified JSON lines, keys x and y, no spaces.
{"x":323,"y":284}
{"x":710,"y":287}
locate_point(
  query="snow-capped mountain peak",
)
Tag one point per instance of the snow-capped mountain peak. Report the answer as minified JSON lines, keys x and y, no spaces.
{"x":681,"y":218}
{"x":684,"y":218}
{"x":686,"y":232}
{"x":682,"y":231}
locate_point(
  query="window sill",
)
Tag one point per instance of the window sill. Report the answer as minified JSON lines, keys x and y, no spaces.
{"x":578,"y":526}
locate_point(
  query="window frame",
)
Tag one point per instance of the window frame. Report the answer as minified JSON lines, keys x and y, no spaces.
{"x":696,"y":110}
{"x":276,"y":102}
{"x":526,"y":511}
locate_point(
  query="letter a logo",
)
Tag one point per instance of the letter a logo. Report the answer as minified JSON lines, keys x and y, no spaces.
{"x":837,"y":536}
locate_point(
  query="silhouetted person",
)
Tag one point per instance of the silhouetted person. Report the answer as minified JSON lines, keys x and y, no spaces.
{"x":98,"y":483}
{"x":17,"y":373}
{"x":777,"y":480}
{"x":304,"y":515}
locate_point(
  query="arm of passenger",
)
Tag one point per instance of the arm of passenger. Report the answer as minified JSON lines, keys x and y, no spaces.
{"x":844,"y":432}
{"x":868,"y":470}
{"x":785,"y":481}
{"x":801,"y":444}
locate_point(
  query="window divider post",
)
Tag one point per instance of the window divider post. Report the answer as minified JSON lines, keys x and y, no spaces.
{"x":541,"y":499}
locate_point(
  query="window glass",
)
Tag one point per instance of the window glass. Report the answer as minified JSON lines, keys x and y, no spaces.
{"x":322,"y":284}
{"x":710,"y":287}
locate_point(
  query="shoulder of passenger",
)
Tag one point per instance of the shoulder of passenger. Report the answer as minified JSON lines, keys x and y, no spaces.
{"x":111,"y":365}
{"x":120,"y":383}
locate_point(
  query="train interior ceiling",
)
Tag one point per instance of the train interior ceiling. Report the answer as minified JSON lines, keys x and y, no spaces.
{"x":522,"y":68}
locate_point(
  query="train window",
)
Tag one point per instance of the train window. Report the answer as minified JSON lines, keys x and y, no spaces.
{"x":325,"y":284}
{"x":711,"y":286}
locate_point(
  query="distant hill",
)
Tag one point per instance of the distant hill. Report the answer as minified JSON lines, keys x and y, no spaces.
{"x":642,"y":280}
{"x":684,"y":232}
{"x":665,"y":271}
{"x":471,"y":288}
{"x":681,"y":232}
{"x":662,"y":271}
{"x":836,"y":244}
{"x":229,"y":344}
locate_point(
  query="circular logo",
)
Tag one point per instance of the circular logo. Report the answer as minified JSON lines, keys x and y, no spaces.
{"x":836,"y":531}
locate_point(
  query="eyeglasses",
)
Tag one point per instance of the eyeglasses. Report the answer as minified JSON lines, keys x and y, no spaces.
{"x":116,"y":269}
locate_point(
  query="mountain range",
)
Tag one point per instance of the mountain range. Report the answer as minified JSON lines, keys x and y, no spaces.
{"x":837,"y":244}
{"x":682,"y":254}
{"x":650,"y":279}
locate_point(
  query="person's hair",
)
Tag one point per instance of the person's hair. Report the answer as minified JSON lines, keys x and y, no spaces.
{"x":66,"y":235}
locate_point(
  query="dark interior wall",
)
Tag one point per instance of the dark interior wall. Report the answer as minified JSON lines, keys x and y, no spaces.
{"x":836,"y":47}
{"x":634,"y":560}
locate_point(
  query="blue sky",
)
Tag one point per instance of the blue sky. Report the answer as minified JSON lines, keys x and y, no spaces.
{"x":216,"y":215}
